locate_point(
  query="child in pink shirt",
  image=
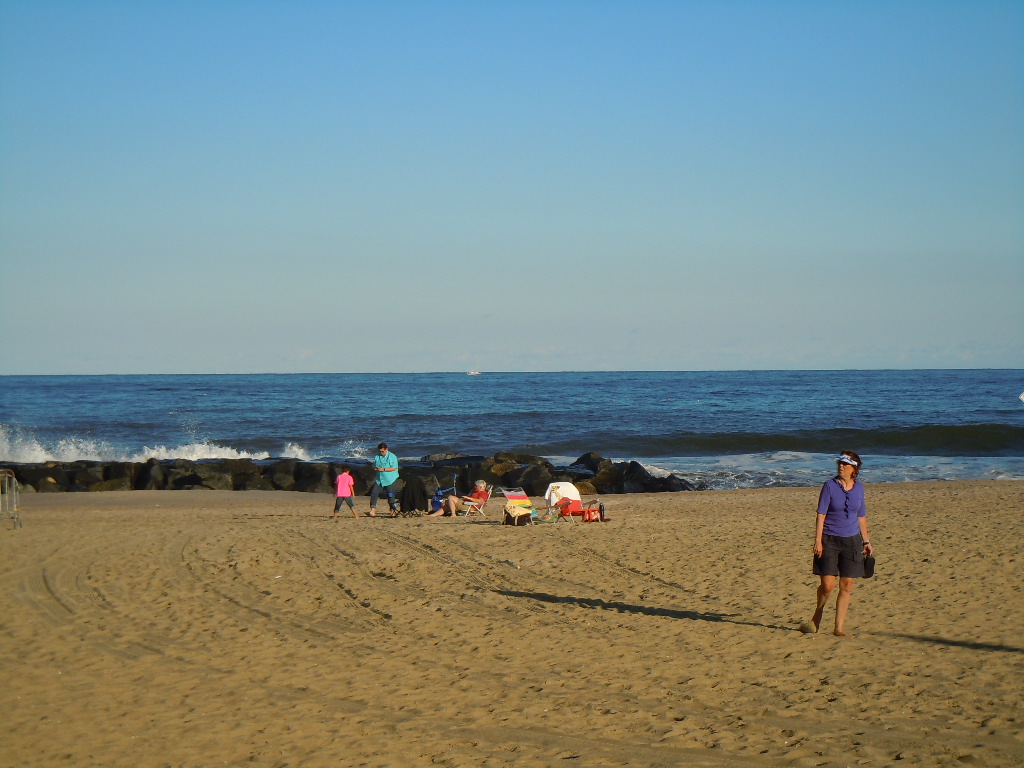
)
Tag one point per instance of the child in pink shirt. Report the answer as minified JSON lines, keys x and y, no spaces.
{"x":345,"y":484}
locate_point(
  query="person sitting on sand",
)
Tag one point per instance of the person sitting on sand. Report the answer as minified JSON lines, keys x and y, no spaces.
{"x":841,"y":540}
{"x":453,"y":505}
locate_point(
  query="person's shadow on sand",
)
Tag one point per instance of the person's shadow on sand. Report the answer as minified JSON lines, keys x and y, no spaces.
{"x":973,"y":645}
{"x":647,"y":610}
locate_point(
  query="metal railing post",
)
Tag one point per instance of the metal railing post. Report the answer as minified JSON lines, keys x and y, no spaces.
{"x":9,"y":496}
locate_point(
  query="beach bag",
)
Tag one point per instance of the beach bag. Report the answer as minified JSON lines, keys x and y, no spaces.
{"x":515,"y":515}
{"x":869,"y":566}
{"x":591,"y":516}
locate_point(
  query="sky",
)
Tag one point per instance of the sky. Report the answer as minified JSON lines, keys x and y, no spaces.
{"x":269,"y":186}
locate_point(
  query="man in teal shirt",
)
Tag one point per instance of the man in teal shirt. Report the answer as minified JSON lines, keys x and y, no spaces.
{"x":386,"y":465}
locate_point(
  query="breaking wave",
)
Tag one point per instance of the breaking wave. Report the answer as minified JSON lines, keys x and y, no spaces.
{"x":22,"y":447}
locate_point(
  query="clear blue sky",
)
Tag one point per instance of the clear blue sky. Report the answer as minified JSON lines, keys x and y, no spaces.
{"x":415,"y":186}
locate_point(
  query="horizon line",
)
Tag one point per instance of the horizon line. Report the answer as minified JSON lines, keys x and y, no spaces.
{"x":464,"y":373}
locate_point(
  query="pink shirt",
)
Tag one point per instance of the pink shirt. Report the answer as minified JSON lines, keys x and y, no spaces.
{"x":345,"y":484}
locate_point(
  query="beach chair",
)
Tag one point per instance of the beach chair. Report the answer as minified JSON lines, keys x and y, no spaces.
{"x":516,"y":499}
{"x":470,"y":508}
{"x":566,"y":497}
{"x":439,"y":496}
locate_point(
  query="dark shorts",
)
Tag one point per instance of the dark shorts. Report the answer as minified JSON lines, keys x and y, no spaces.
{"x":841,"y":556}
{"x":339,"y":500}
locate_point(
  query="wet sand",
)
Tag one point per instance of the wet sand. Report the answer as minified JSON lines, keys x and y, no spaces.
{"x":203,"y":628}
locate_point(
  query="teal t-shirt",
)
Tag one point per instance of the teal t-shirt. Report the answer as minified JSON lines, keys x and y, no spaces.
{"x":387,"y":460}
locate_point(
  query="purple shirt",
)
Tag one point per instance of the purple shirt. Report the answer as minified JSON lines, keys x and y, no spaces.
{"x":841,"y":508}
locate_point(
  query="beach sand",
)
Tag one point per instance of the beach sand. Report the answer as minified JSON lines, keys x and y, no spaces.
{"x":205,"y":628}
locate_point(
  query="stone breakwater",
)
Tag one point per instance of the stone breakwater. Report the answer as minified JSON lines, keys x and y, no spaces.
{"x":591,"y":473}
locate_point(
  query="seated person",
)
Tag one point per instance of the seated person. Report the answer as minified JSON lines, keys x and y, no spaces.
{"x":453,"y":505}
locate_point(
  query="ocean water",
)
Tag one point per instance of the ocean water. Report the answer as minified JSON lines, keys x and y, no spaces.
{"x":726,"y":429}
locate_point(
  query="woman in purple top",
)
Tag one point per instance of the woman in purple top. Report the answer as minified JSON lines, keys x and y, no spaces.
{"x":841,"y":540}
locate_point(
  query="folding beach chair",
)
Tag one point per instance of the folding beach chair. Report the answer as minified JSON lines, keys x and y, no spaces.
{"x":470,"y":508}
{"x":518,"y":507}
{"x":566,"y":497}
{"x":439,"y":496}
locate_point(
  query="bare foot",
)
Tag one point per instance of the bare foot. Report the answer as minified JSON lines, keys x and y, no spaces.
{"x":809,"y":628}
{"x":354,"y":513}
{"x":840,"y":633}
{"x":373,"y":513}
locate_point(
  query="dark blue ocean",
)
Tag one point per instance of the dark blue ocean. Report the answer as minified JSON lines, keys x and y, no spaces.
{"x":727,"y":429}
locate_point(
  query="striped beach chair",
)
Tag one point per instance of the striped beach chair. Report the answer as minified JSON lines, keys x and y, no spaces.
{"x":518,"y":505}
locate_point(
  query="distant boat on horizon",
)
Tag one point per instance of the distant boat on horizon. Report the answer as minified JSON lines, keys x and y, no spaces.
{"x":472,"y":373}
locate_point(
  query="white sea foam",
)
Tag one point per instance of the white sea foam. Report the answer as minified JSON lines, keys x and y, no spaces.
{"x":26,"y":448}
{"x":354,"y":449}
{"x":348,"y":449}
{"x":195,"y":452}
{"x":295,"y":451}
{"x":22,"y":447}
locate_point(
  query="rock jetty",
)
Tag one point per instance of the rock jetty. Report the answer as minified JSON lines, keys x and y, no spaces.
{"x":591,"y":473}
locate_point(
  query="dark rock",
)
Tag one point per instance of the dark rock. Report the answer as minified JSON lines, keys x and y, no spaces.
{"x":365,"y":476}
{"x":118,"y":470}
{"x":243,"y":473}
{"x":282,"y":474}
{"x":571,"y":474}
{"x":182,"y":475}
{"x":432,"y":457}
{"x":361,"y":487}
{"x":674,"y":483}
{"x":591,"y":461}
{"x":215,"y":475}
{"x":313,"y":477}
{"x":151,"y":476}
{"x":498,"y":469}
{"x":87,"y":475}
{"x":460,"y":461}
{"x":49,"y":485}
{"x":468,"y":475}
{"x":519,"y":458}
{"x":636,"y":479}
{"x":533,"y":478}
{"x":451,"y":458}
{"x":590,"y":473}
{"x":34,"y":474}
{"x":608,"y":478}
{"x":183,"y":480}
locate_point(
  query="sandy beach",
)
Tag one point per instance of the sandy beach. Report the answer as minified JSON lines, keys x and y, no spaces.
{"x":208,"y":628}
